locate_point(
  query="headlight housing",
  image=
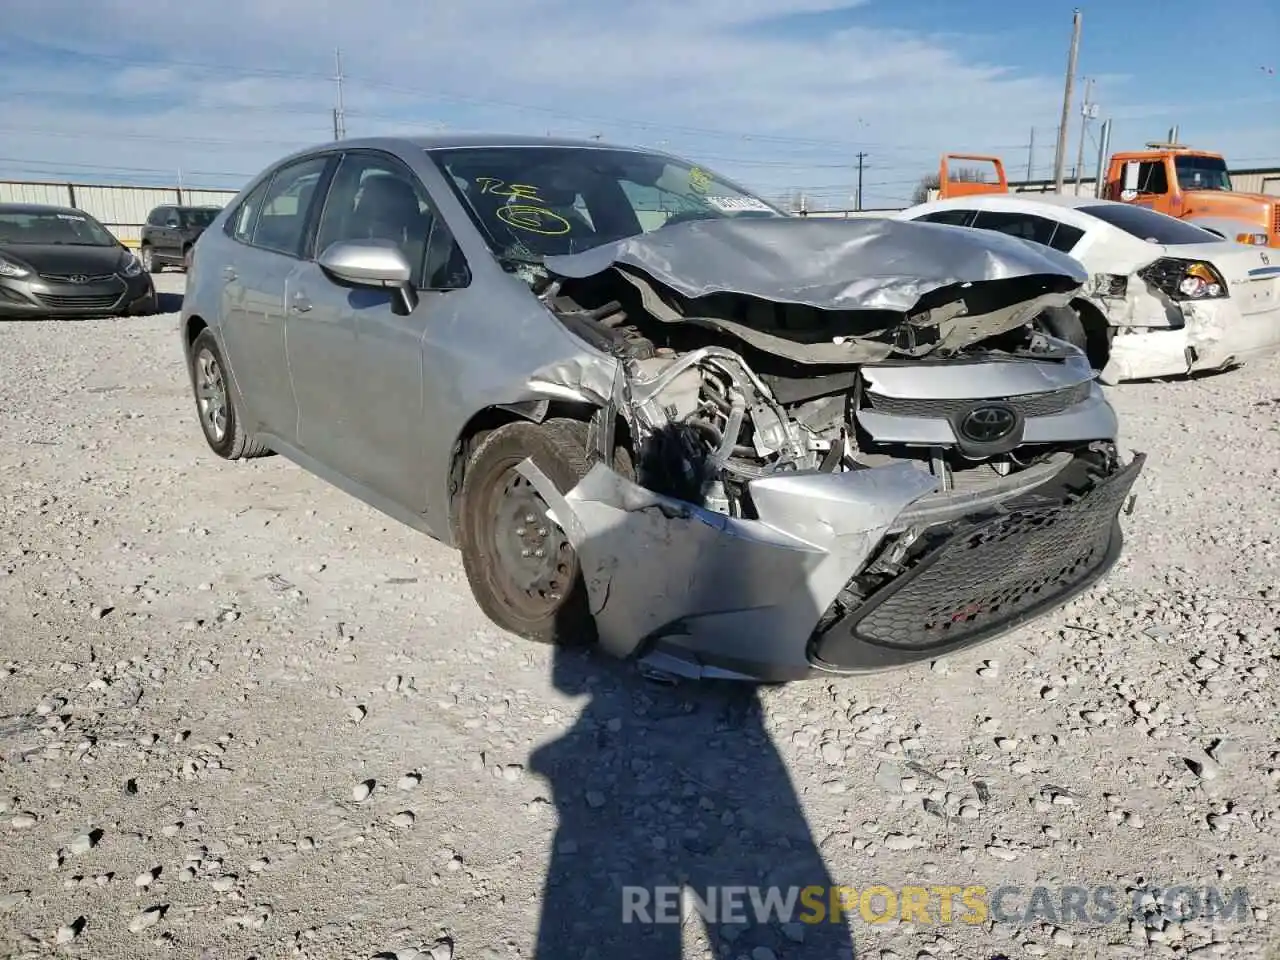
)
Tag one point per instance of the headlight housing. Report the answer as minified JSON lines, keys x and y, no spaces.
{"x":1185,"y":279}
{"x":11,"y":268}
{"x":131,"y":266}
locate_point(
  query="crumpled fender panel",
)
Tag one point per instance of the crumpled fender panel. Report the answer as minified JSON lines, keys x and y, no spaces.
{"x":654,"y":566}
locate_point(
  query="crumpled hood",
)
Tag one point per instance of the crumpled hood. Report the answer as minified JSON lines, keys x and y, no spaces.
{"x":858,"y":264}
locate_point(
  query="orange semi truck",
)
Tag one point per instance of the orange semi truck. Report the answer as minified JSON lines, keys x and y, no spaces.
{"x":1192,"y":185}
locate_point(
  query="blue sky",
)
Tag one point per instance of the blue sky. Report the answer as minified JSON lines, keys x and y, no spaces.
{"x":780,"y":94}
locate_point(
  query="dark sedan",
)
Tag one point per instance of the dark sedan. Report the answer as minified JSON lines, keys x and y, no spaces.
{"x":61,"y":262}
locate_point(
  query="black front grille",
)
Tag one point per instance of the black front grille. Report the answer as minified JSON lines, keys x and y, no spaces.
{"x":76,"y":278}
{"x":89,"y":301}
{"x":988,"y":577}
{"x":1028,"y":404}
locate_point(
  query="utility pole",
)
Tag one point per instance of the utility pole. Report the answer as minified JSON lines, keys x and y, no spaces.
{"x":1104,"y":147}
{"x":1060,"y":157}
{"x":1086,"y":107}
{"x":858,"y":199}
{"x":339,"y":112}
{"x":1031,"y":154}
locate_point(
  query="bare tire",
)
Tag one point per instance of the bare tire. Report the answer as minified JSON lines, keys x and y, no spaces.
{"x":522,"y":569}
{"x":149,"y":263}
{"x":1065,"y":324}
{"x":217,"y":406}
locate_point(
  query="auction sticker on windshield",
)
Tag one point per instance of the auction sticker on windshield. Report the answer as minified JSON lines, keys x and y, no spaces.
{"x":738,"y":204}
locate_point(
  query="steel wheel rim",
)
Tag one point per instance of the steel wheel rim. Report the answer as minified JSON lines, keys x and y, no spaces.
{"x":211,"y":395}
{"x":536,"y":564}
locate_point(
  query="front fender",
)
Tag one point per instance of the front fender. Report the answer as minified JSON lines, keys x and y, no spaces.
{"x":1227,"y":227}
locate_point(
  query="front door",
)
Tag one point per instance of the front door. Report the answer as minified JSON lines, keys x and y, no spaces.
{"x":357,"y":364}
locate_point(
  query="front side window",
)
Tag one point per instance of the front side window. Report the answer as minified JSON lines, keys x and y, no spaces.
{"x":1149,"y":225}
{"x":534,"y":202}
{"x":375,"y":196}
{"x":282,"y":219}
{"x":59,"y":227}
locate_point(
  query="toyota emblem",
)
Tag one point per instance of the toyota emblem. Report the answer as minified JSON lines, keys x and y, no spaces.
{"x":988,"y":424}
{"x":78,"y":278}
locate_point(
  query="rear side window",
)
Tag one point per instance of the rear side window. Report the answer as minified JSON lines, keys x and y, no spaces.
{"x":241,"y":225}
{"x":955,"y":218}
{"x":282,"y":219}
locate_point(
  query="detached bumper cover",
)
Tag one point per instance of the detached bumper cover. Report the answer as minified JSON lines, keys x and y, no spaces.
{"x":704,"y":594}
{"x":984,"y":578}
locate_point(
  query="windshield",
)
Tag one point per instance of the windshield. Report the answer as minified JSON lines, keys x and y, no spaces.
{"x":535,"y":202}
{"x":1202,"y":173}
{"x":1148,"y":225}
{"x":199,"y":217}
{"x":53,"y":226}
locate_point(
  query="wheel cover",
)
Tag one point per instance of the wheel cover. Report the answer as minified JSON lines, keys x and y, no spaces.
{"x":535,"y":565}
{"x":211,"y":395}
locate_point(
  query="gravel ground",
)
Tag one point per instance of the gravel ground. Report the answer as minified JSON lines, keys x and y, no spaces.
{"x":243,"y":715}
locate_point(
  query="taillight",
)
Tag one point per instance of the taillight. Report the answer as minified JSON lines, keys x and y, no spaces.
{"x":1185,"y":279}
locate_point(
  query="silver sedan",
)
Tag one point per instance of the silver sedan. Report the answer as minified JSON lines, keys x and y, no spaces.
{"x":655,"y":412}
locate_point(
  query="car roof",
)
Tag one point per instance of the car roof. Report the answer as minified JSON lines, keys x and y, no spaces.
{"x":39,"y":208}
{"x":445,"y":141}
{"x":977,"y":201}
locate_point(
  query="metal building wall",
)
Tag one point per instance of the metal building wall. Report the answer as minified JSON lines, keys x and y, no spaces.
{"x":121,"y":209}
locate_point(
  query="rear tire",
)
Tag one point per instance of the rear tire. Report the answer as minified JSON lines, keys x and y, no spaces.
{"x":540,"y":598}
{"x":218,"y":407}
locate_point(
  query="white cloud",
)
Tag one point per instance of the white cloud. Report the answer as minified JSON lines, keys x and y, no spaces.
{"x":665,"y":71}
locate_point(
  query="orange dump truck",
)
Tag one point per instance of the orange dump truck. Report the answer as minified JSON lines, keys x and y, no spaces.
{"x":1192,"y":185}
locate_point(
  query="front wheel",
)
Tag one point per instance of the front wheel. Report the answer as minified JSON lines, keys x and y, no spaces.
{"x":1065,"y":324}
{"x":523,"y":571}
{"x":216,"y":402}
{"x":149,"y":263}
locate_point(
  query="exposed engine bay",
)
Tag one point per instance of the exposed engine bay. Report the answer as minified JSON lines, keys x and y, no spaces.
{"x":709,"y":412}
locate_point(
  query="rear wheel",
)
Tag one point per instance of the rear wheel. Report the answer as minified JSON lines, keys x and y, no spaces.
{"x":216,"y":403}
{"x":186,"y":259}
{"x":523,"y":571}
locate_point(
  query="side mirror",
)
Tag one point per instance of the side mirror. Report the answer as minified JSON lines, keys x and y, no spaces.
{"x":370,"y":263}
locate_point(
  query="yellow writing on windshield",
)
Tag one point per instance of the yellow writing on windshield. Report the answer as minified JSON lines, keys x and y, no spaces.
{"x":500,"y":188}
{"x":699,"y":180}
{"x":532,"y":219}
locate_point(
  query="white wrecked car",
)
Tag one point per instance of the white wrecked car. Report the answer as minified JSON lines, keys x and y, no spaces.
{"x":1164,"y":297}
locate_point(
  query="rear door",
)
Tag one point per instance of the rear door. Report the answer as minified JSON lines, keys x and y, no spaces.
{"x":269,"y":228}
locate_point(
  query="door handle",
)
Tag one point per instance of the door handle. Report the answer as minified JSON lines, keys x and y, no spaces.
{"x":300,"y":302}
{"x":228,"y":273}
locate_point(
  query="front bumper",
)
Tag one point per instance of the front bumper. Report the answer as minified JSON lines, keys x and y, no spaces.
{"x":780,"y":597}
{"x":40,"y":298}
{"x":1215,"y":335}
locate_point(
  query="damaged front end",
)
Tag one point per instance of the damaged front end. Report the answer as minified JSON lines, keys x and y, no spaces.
{"x":830,"y":476}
